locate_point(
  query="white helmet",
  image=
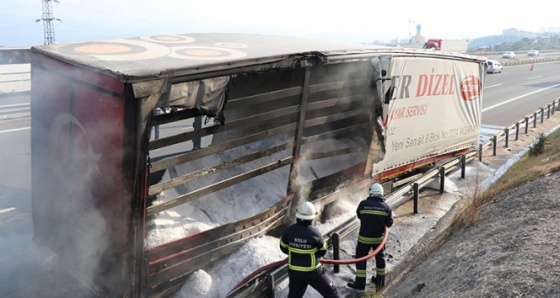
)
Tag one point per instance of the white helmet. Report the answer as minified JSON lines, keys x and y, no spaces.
{"x":306,"y":211}
{"x":376,"y":190}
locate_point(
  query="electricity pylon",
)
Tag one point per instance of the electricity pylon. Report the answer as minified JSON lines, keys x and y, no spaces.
{"x":48,"y":19}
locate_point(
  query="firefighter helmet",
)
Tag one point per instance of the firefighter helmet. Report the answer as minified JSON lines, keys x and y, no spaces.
{"x":376,"y":190}
{"x":306,"y":211}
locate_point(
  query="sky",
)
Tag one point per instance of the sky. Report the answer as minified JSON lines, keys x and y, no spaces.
{"x":353,"y":21}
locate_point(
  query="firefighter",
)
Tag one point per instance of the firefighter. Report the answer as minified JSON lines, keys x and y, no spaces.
{"x":305,"y":246}
{"x":374,"y":215}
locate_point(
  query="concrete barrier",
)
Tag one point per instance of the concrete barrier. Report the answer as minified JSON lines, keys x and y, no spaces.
{"x":15,"y":78}
{"x":509,"y":62}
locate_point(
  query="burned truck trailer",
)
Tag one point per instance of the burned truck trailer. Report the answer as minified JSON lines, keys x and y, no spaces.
{"x":139,"y":145}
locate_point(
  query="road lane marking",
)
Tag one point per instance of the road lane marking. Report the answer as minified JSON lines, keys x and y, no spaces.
{"x":15,"y":105}
{"x":519,"y":97}
{"x":530,"y":78}
{"x":15,"y":129}
{"x":492,"y":86}
{"x":7,"y":210}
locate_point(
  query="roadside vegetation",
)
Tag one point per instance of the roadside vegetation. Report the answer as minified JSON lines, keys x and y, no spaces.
{"x":542,"y":158}
{"x":500,"y":43}
{"x":550,"y":43}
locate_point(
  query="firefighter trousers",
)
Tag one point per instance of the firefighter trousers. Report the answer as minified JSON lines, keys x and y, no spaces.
{"x":362,"y":250}
{"x":317,"y":279}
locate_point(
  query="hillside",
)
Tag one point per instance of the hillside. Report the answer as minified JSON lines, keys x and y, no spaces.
{"x":512,"y":251}
{"x":516,"y":43}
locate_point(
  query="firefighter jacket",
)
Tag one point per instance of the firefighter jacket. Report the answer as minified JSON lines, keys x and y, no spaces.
{"x":374,"y":215}
{"x":304,"y":247}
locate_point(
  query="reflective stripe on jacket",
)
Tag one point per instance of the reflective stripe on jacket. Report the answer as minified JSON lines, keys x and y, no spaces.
{"x":304,"y":247}
{"x":374,"y":215}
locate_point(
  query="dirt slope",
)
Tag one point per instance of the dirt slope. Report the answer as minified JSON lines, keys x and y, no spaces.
{"x":512,"y":251}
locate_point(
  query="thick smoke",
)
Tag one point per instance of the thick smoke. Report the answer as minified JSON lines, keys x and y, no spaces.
{"x":31,"y":270}
{"x":73,"y":194}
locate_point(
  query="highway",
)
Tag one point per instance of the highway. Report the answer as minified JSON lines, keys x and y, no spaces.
{"x":516,"y":92}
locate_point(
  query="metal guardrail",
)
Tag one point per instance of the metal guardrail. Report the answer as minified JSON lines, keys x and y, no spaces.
{"x":522,"y":124}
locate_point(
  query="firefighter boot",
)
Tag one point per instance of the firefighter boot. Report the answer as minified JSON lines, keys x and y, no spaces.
{"x":379,"y":281}
{"x":359,"y":284}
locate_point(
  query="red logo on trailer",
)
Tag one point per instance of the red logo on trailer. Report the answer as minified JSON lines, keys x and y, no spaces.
{"x":470,"y":88}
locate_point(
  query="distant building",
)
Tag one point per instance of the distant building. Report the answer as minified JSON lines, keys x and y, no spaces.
{"x":416,"y":40}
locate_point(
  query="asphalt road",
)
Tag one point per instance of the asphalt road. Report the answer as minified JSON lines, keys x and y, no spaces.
{"x":518,"y":91}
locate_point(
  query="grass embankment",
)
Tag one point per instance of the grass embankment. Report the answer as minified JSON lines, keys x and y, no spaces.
{"x":542,"y":158}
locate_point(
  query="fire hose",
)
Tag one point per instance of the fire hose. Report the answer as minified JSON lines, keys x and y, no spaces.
{"x":366,"y":257}
{"x":323,"y":261}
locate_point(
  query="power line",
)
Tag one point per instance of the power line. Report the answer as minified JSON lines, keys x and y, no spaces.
{"x":16,"y":7}
{"x":17,"y":25}
{"x":110,"y":15}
